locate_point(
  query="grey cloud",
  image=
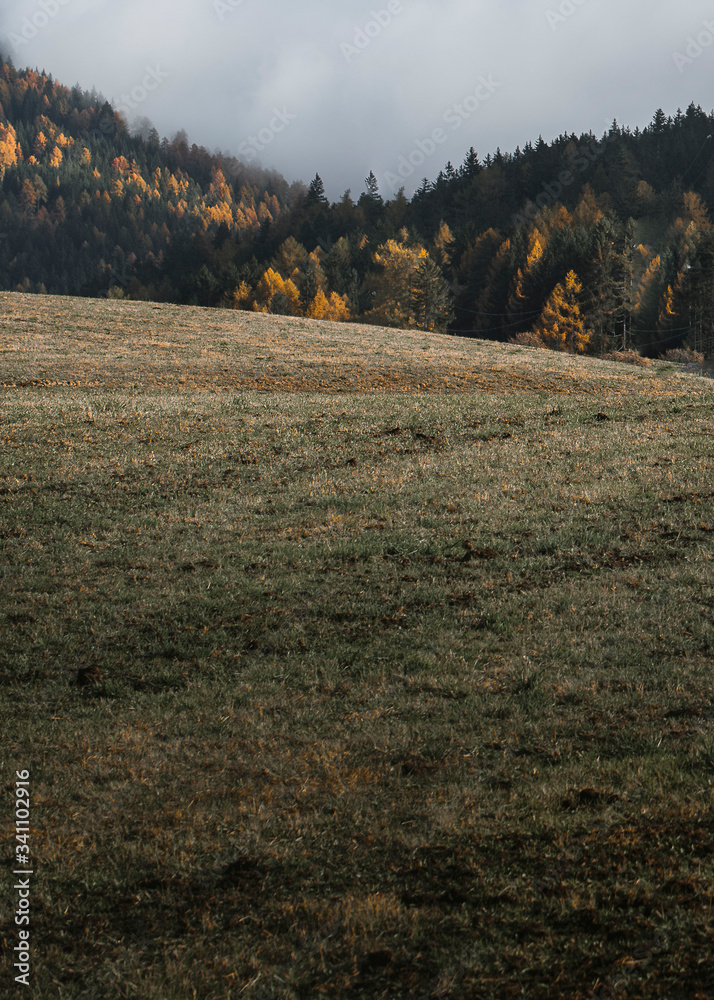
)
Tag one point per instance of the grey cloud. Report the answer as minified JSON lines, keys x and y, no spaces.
{"x":368,"y":84}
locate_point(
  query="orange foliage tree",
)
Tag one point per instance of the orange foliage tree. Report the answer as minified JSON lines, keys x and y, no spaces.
{"x":8,"y":148}
{"x":334,"y":308}
{"x":561,"y":325}
{"x":398,"y":265}
{"x":275,"y":295}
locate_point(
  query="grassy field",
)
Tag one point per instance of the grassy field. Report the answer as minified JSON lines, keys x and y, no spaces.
{"x":352,"y":663}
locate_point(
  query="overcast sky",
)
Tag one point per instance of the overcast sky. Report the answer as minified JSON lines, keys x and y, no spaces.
{"x":394,"y":86}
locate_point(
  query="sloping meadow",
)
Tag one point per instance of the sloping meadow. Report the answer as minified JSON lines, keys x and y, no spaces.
{"x":351,"y":662}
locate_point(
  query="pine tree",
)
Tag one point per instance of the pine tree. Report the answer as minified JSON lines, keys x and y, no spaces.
{"x":604,"y":301}
{"x":340,"y":271}
{"x":432,"y":304}
{"x":693,"y":296}
{"x":471,"y":165}
{"x":316,"y":192}
{"x":490,"y":312}
{"x":372,"y":188}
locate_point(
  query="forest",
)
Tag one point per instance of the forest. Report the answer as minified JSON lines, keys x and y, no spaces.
{"x":587,"y":244}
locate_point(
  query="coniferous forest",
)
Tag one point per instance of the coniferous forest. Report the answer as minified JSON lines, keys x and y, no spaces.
{"x":586,"y":244}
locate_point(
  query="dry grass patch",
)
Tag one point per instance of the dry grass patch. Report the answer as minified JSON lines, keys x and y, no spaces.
{"x":96,"y":343}
{"x":385,"y":694}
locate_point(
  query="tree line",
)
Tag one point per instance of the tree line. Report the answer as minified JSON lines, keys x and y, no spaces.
{"x":585,"y":244}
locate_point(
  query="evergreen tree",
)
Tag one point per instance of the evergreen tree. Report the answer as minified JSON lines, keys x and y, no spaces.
{"x":431,"y":298}
{"x":606,"y":280}
{"x":372,"y":188}
{"x":316,"y":192}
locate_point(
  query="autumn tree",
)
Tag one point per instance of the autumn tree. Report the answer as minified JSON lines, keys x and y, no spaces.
{"x":242,"y":297}
{"x":275,"y":295}
{"x":335,"y":308}
{"x":443,"y":250}
{"x":587,"y":212}
{"x":8,"y":148}
{"x":561,"y":325}
{"x":648,"y":299}
{"x":393,"y":283}
{"x":525,"y":286}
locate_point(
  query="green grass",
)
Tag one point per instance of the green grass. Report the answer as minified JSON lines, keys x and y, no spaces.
{"x":398,"y":693}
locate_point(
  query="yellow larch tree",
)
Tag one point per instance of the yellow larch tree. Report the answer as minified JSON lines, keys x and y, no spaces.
{"x":393,"y":305}
{"x":696,"y":211}
{"x":275,"y":295}
{"x":242,"y":297}
{"x":524,"y":281}
{"x":443,"y":246}
{"x":40,"y":145}
{"x":334,"y":308}
{"x":649,"y":294}
{"x":588,"y":212}
{"x":8,"y":148}
{"x":561,"y":325}
{"x":222,"y":213}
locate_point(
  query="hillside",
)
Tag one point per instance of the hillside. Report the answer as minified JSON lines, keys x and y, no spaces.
{"x":351,"y":662}
{"x":83,"y":201}
{"x":588,"y":243}
{"x":100,"y":345}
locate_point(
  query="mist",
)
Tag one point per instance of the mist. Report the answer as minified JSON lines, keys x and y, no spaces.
{"x":399,"y":87}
